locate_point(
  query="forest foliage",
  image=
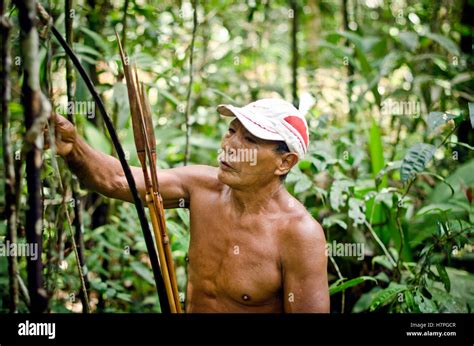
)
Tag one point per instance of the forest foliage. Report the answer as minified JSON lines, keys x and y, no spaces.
{"x":387,"y":87}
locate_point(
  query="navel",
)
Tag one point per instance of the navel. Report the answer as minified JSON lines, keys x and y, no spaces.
{"x":246,"y":297}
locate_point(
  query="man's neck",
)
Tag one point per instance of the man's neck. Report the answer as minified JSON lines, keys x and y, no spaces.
{"x":256,"y":198}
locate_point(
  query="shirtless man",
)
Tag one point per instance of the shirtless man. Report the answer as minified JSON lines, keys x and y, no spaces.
{"x":253,"y":247}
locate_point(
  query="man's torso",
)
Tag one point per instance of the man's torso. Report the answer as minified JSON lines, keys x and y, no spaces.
{"x":234,"y":258}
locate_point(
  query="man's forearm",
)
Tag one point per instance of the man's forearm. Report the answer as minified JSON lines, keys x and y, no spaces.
{"x":97,"y":171}
{"x":104,"y":174}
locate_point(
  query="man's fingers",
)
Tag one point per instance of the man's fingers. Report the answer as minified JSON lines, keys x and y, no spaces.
{"x":59,"y":120}
{"x":64,"y":129}
{"x":56,"y":123}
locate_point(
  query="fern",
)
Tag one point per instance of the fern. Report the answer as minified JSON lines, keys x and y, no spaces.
{"x":416,"y":160}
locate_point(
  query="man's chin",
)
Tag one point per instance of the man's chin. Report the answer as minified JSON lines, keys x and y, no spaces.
{"x":226,"y":177}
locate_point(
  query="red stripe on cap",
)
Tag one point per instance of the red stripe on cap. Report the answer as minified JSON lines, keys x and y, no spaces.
{"x":298,"y":124}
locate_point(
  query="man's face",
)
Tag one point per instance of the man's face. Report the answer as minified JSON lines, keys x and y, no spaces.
{"x":246,"y":160}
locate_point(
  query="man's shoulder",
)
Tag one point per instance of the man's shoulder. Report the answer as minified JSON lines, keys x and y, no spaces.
{"x":300,"y":229}
{"x":201,"y":177}
{"x":202,"y":171}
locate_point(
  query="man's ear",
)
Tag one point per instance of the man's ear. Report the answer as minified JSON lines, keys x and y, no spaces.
{"x":285,"y":162}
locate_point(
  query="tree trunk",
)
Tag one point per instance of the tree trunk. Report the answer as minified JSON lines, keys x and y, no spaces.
{"x":295,"y":54}
{"x":33,"y":108}
{"x":465,"y":131}
{"x":190,"y":87}
{"x":97,"y":12}
{"x":10,"y":197}
{"x":350,"y":68}
{"x":71,"y":91}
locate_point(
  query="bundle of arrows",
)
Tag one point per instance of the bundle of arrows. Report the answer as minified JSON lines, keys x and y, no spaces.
{"x":145,"y":143}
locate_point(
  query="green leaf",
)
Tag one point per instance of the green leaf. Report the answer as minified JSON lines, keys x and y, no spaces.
{"x":386,"y":296}
{"x":83,"y":49}
{"x":462,"y":175}
{"x":382,"y":276}
{"x":220,"y":93}
{"x":435,"y":119}
{"x":125,"y":297}
{"x":391,"y":166}
{"x":98,"y":285}
{"x":332,"y":220}
{"x":365,"y":300}
{"x":304,"y":164}
{"x":409,"y":39}
{"x":444,"y":276}
{"x":95,"y":138}
{"x":143,"y":271}
{"x":383,"y":261}
{"x":447,"y":302}
{"x":98,"y":39}
{"x":303,"y":184}
{"x":444,"y":42}
{"x":169,"y":97}
{"x":424,"y":304}
{"x":357,"y":211}
{"x":350,"y":283}
{"x":338,"y":193}
{"x":376,"y":152}
{"x":462,"y":285}
{"x":184,"y":216}
{"x":120,"y":98}
{"x":438,"y":208}
{"x":110,"y":293}
{"x":409,"y":300}
{"x":389,"y":63}
{"x":416,"y":160}
{"x":337,"y":50}
{"x":143,"y":60}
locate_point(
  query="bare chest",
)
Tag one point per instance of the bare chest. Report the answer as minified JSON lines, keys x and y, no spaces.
{"x":232,"y":260}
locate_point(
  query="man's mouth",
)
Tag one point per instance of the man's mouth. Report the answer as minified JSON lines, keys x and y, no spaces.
{"x":226,"y":166}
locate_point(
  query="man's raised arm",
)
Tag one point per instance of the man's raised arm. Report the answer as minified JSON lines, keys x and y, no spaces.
{"x":104,"y":174}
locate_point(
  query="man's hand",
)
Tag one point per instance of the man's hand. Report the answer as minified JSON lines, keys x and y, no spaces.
{"x":65,"y":135}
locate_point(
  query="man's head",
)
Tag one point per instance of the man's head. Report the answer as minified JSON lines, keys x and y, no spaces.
{"x":265,"y":140}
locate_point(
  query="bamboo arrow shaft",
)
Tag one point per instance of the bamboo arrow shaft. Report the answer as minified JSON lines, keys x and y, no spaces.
{"x":167,"y":246}
{"x":157,"y":212}
{"x":161,"y":252}
{"x":145,"y":143}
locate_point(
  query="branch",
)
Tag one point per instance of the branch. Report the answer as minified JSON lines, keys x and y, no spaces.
{"x":190,"y":86}
{"x":80,"y":262}
{"x":124,"y":23}
{"x":343,"y":299}
{"x":78,"y":241}
{"x":377,"y":239}
{"x":294,"y":49}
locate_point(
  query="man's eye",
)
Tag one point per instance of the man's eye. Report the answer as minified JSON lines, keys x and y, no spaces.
{"x":231,"y":130}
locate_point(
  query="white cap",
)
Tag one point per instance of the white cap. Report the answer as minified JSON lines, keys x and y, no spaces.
{"x":273,"y":119}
